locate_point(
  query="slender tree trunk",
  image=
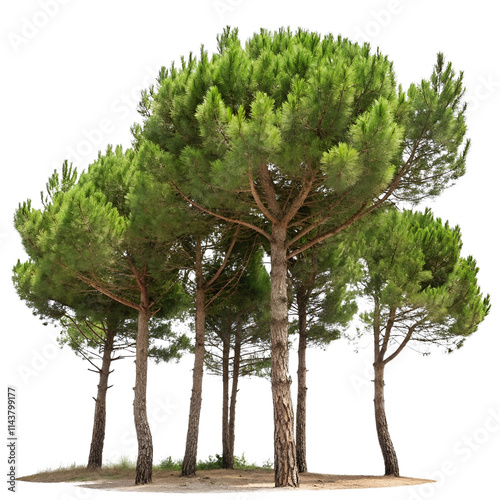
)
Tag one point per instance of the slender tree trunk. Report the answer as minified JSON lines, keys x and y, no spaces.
{"x":384,"y":439}
{"x":144,"y":468}
{"x":301,"y":378}
{"x":189,"y":463}
{"x":234,"y":390}
{"x":226,"y":448}
{"x":97,"y":444}
{"x":285,"y":460}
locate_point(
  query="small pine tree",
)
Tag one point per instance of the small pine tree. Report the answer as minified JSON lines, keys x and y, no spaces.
{"x":421,"y":292}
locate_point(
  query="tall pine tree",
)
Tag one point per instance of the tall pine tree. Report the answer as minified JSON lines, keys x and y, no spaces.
{"x":297,"y":137}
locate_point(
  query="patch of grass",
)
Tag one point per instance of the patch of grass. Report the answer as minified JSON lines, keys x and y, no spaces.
{"x":125,"y":468}
{"x":124,"y":464}
{"x":213,"y":462}
{"x":169,"y":464}
{"x":61,"y":474}
{"x":241,"y":463}
{"x":80,"y":473}
{"x":268,"y":464}
{"x":210,"y":463}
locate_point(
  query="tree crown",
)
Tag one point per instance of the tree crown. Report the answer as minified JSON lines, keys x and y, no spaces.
{"x":308,"y":132}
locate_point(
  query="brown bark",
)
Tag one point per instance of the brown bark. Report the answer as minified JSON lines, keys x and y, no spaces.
{"x":97,"y":444}
{"x":384,"y":439}
{"x":144,"y":467}
{"x":285,"y":460}
{"x":227,"y":457}
{"x":234,"y":390}
{"x":190,"y":454}
{"x":301,"y":380}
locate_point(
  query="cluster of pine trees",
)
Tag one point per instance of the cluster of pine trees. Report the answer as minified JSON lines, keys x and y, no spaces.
{"x":293,"y":148}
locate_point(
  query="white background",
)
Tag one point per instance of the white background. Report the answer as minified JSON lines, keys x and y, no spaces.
{"x":72,"y":72}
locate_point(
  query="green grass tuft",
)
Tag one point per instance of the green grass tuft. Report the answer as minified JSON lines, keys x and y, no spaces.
{"x":125,"y":464}
{"x":169,"y":464}
{"x":213,"y":462}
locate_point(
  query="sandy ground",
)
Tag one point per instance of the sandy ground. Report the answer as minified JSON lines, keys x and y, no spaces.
{"x":251,"y":480}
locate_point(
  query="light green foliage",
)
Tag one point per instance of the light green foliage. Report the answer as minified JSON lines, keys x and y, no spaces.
{"x":342,"y":166}
{"x":81,"y":246}
{"x":100,"y":239}
{"x":420,"y":287}
{"x":55,"y":294}
{"x":304,"y":129}
{"x":437,"y":108}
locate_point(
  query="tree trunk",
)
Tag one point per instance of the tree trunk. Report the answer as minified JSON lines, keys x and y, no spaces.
{"x":189,"y":463}
{"x":384,"y":439}
{"x":285,"y":460}
{"x":302,"y":388}
{"x":227,"y":462}
{"x":97,"y":444}
{"x":234,"y":390}
{"x":144,"y":467}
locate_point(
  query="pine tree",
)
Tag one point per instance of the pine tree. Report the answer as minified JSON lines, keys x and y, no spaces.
{"x":91,"y":234}
{"x":239,"y":324}
{"x":421,"y":292}
{"x":94,"y":326}
{"x":297,"y":137}
{"x":206,"y":249}
{"x":204,"y":282}
{"x":324,"y":307}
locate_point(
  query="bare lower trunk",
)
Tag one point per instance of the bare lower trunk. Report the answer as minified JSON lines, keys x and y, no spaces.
{"x":301,"y":379}
{"x":189,"y":463}
{"x":234,"y":391}
{"x":144,"y":467}
{"x":384,"y":439}
{"x":227,"y":457}
{"x":285,"y":460}
{"x":97,"y":444}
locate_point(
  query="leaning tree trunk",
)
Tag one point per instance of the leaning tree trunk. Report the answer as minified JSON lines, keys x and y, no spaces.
{"x":97,"y":444}
{"x":285,"y":460}
{"x":227,"y":462}
{"x":190,"y":454}
{"x":234,"y":390}
{"x":301,"y":379}
{"x":144,"y":467}
{"x":384,"y":439}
